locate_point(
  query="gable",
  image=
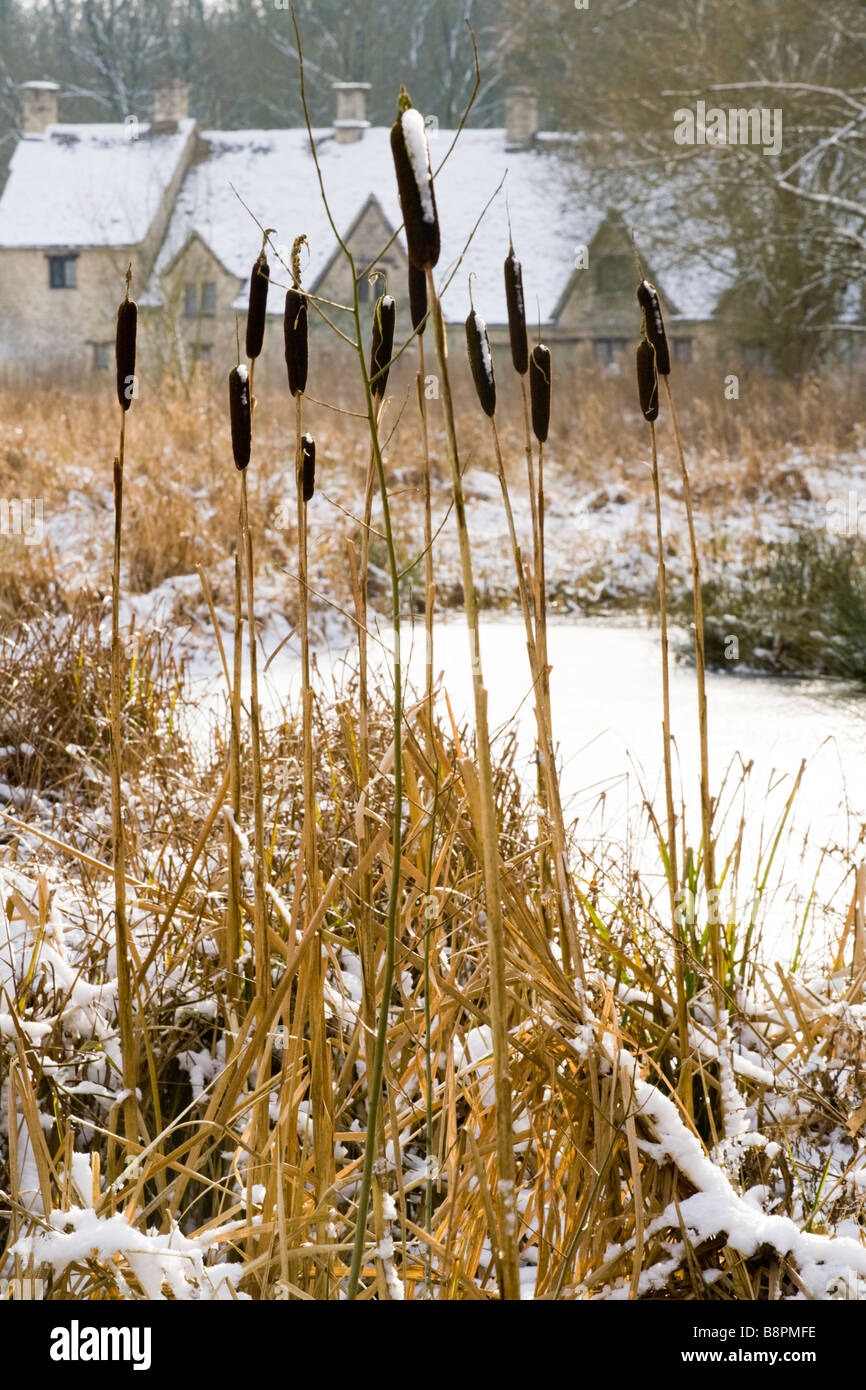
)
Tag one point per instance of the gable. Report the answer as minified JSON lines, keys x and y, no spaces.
{"x":600,"y":295}
{"x":368,"y":239}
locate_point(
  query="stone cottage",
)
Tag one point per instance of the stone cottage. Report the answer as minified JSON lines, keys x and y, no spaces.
{"x":184,"y":206}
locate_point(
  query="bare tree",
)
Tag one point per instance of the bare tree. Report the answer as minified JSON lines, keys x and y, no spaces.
{"x":787,"y":221}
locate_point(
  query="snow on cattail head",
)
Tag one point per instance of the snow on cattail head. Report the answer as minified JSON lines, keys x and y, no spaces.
{"x":308,"y":466}
{"x":415,"y":184}
{"x":481,"y":362}
{"x":648,"y":299}
{"x":382,"y":347}
{"x":239,"y":414}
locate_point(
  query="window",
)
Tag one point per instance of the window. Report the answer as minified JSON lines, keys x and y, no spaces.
{"x":613,"y":275}
{"x":202,"y":352}
{"x":62,"y":272}
{"x":101,"y":354}
{"x":682,"y":349}
{"x":606,"y":349}
{"x":199,"y":300}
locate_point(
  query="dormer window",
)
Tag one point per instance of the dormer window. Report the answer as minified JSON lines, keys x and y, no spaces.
{"x":199,"y":300}
{"x":63,"y":272}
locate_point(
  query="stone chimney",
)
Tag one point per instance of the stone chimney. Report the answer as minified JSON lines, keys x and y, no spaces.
{"x":38,"y":106}
{"x":351,"y":120}
{"x":521,"y":118}
{"x":170,"y":105}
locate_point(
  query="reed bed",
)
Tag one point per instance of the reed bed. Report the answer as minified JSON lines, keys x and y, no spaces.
{"x":355,"y":1016}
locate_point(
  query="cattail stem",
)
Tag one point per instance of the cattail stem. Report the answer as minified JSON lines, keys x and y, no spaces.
{"x":262,"y":948}
{"x":533,"y":506}
{"x":708,"y":844}
{"x":377,"y":1071}
{"x":124,"y":980}
{"x":685,"y":1083}
{"x":549,"y":782}
{"x":563,"y":880}
{"x":700,"y":662}
{"x":506,"y":1236}
{"x":310,"y":849}
{"x":435,"y":773}
{"x":366,"y":928}
{"x":320,"y":1087}
{"x":260,"y":1121}
{"x":234,"y":916}
{"x":530,"y":478}
{"x":429,"y":582}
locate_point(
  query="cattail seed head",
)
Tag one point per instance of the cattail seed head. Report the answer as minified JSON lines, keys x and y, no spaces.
{"x":481,"y":362}
{"x":258,"y":306}
{"x":516,"y":313}
{"x":417,"y":298}
{"x":540,"y":371}
{"x":415,"y":186}
{"x":296,"y":337}
{"x":648,"y":299}
{"x":124,"y":351}
{"x":382,"y":347}
{"x":308,"y":466}
{"x":647,"y":380}
{"x":239,"y":414}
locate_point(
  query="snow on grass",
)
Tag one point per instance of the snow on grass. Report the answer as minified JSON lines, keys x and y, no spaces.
{"x":170,"y":1265}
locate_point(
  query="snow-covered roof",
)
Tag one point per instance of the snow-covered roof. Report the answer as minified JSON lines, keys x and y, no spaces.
{"x":95,"y":185}
{"x":273,"y":173}
{"x":88,"y":185}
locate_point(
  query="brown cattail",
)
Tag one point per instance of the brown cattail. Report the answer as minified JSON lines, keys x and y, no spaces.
{"x":648,"y":299}
{"x":259,"y":282}
{"x":481,"y":362}
{"x":417,"y":298}
{"x":124,"y":351}
{"x":308,"y":466}
{"x":382,"y":348}
{"x":239,"y":413}
{"x":415,"y":184}
{"x":539,"y":390}
{"x":516,"y":312}
{"x":295,"y":334}
{"x":647,"y":380}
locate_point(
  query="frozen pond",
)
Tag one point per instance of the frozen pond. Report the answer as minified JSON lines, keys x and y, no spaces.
{"x":607,"y":709}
